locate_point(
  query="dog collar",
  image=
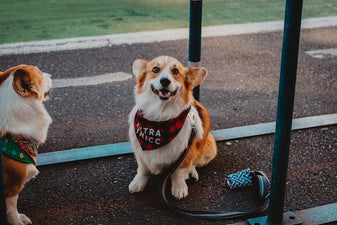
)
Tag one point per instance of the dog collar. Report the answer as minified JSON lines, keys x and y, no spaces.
{"x":22,"y":150}
{"x":155,"y":134}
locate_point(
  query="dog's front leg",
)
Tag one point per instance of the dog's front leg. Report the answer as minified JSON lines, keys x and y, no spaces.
{"x":179,"y":187}
{"x":140,"y":180}
{"x":13,"y":216}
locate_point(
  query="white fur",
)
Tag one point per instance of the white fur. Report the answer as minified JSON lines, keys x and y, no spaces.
{"x":32,"y":172}
{"x":179,"y":187}
{"x":13,"y":216}
{"x":20,"y":115}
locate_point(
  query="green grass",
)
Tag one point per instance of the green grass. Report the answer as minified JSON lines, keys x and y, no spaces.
{"x":27,"y":20}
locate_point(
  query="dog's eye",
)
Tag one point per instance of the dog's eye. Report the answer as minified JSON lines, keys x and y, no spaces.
{"x":175,"y":71}
{"x":156,"y":69}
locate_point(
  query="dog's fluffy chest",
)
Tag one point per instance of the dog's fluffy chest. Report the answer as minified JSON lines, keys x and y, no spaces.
{"x":161,"y":157}
{"x":155,"y":134}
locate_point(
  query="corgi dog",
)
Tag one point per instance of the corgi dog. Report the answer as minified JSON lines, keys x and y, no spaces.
{"x":24,"y":123}
{"x":159,"y":126}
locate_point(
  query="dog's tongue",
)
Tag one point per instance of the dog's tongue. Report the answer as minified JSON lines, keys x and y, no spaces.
{"x":164,"y":93}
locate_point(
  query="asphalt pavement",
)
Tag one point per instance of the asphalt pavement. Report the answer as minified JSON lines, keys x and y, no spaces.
{"x":241,"y":89}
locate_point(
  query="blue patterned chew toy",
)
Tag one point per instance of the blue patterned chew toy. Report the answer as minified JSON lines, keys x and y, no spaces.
{"x":239,"y":179}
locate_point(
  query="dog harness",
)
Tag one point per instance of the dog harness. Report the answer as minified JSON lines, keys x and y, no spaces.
{"x":22,"y":150}
{"x":155,"y":134}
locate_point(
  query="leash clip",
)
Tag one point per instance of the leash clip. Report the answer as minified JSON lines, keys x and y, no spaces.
{"x":191,"y":116}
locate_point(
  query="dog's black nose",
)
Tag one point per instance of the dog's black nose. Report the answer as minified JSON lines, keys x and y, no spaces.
{"x":165,"y":82}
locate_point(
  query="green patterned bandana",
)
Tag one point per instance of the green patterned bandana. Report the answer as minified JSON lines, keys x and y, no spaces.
{"x":22,"y":150}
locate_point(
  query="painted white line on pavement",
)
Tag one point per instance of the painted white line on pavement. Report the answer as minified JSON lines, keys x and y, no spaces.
{"x":94,"y":80}
{"x":320,"y":53}
{"x":154,"y":36}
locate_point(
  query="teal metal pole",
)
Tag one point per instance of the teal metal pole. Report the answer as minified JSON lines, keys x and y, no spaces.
{"x":3,"y":212}
{"x":291,"y":36}
{"x":194,"y":44}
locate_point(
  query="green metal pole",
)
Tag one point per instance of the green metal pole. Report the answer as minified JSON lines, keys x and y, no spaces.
{"x":194,"y":45}
{"x":3,"y":212}
{"x":291,"y":35}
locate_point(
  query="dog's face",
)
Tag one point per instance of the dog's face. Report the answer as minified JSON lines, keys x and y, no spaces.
{"x":166,"y":78}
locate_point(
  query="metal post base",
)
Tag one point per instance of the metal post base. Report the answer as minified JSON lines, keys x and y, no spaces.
{"x":325,"y":214}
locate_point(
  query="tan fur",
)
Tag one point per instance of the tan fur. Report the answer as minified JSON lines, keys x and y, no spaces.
{"x":14,"y":175}
{"x":4,"y":76}
{"x":202,"y":151}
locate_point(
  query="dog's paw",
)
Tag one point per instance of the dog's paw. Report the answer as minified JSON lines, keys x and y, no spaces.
{"x":135,"y":187}
{"x":137,"y":184}
{"x":25,"y":220}
{"x":179,"y":192}
{"x":18,"y":219}
{"x":194,"y":174}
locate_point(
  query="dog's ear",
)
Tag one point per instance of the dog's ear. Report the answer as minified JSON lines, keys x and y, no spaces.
{"x":196,"y":75}
{"x":3,"y":76}
{"x":6,"y":74}
{"x":24,"y":85}
{"x":139,"y":67}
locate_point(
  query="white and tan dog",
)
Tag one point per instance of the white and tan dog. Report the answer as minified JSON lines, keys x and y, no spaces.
{"x":159,"y":125}
{"x":24,"y":123}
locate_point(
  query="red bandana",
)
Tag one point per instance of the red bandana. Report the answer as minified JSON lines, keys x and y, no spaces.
{"x":155,"y":134}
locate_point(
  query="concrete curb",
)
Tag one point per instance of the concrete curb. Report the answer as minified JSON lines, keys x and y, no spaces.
{"x":219,"y":135}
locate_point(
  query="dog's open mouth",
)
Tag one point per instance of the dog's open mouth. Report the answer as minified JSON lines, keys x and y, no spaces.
{"x":164,"y":94}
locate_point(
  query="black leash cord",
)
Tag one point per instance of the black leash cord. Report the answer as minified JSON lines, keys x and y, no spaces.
{"x":201,"y":213}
